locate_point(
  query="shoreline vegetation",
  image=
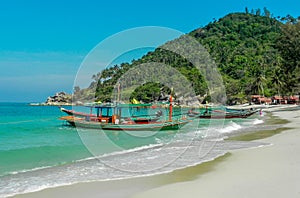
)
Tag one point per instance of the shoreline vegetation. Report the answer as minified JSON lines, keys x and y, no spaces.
{"x":158,"y":185}
{"x":255,"y":52}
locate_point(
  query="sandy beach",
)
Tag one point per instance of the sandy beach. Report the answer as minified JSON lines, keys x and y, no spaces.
{"x":270,"y":171}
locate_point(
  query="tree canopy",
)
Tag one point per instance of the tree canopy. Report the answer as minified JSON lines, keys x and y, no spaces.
{"x":255,"y":53}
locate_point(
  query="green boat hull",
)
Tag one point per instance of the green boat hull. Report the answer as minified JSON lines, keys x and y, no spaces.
{"x":172,"y":125}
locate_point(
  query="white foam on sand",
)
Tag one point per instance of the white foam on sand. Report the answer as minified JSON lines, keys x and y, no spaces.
{"x":257,"y":121}
{"x":232,"y":126}
{"x":272,"y":171}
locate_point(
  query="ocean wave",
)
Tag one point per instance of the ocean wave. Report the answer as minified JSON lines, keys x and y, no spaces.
{"x":232,"y":126}
{"x":151,"y":146}
{"x":141,"y":148}
{"x":167,"y":158}
{"x":257,"y":121}
{"x":25,"y":170}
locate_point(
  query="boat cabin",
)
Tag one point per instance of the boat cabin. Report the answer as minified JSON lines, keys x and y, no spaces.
{"x":115,"y":114}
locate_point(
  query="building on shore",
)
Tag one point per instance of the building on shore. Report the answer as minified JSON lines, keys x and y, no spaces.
{"x":258,"y":99}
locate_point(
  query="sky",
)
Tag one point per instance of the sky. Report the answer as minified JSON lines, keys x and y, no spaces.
{"x":43,"y":43}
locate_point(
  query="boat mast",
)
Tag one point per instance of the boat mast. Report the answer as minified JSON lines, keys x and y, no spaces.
{"x":118,"y":96}
{"x":170,"y":108}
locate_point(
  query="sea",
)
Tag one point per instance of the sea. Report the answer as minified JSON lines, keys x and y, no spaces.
{"x":38,"y":150}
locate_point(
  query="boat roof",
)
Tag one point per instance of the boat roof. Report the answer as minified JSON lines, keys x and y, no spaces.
{"x":111,"y":105}
{"x":135,"y":105}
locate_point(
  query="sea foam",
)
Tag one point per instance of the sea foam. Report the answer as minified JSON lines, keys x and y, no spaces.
{"x":232,"y":126}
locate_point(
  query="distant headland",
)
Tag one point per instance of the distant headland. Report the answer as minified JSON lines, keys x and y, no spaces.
{"x":58,"y":99}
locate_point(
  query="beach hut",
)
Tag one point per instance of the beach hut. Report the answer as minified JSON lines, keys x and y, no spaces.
{"x":258,"y":99}
{"x":277,"y":100}
{"x":268,"y":100}
{"x":293,"y":100}
{"x":255,"y":99}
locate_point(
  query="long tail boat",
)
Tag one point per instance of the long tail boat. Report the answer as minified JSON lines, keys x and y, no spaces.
{"x":128,"y":125}
{"x":75,"y":113}
{"x":220,"y":114}
{"x":110,"y":117}
{"x":94,"y":117}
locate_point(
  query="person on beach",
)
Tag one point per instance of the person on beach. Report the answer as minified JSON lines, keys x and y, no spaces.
{"x":260,"y":112}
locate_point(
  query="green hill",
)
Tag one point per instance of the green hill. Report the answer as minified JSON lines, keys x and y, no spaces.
{"x":255,"y":54}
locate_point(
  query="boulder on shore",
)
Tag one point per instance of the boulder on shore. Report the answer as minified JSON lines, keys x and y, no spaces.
{"x":60,"y":98}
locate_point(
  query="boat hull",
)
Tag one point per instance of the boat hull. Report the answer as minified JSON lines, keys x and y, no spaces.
{"x":226,"y":115}
{"x":172,"y":125}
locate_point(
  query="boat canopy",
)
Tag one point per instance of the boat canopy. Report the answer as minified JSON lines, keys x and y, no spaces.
{"x":110,"y":105}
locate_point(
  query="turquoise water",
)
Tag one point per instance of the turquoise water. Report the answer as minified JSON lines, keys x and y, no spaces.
{"x":33,"y":137}
{"x":37,"y":150}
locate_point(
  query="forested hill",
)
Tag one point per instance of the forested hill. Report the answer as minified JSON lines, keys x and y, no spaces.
{"x":255,"y":53}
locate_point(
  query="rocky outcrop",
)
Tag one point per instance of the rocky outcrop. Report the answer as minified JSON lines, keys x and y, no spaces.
{"x":60,"y":98}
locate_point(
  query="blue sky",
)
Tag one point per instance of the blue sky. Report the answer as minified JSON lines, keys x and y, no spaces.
{"x":42,"y":43}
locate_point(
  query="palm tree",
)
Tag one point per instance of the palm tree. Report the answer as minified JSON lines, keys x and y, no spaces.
{"x":257,"y":85}
{"x":277,"y":80}
{"x":261,"y":82}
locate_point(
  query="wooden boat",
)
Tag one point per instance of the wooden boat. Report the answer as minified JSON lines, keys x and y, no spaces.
{"x":219,"y":114}
{"x":75,"y":113}
{"x":127,"y":125}
{"x":109,"y":117}
{"x":94,"y":117}
{"x":140,"y":120}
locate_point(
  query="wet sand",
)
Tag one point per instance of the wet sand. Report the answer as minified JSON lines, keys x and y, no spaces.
{"x":271,"y":171}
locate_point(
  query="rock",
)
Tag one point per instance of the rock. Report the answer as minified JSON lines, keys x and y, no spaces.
{"x":60,"y":98}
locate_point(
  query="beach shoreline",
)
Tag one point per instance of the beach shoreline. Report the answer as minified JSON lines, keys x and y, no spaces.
{"x":160,"y":185}
{"x":269,"y":171}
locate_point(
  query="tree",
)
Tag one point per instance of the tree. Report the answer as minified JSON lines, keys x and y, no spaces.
{"x":257,"y":12}
{"x":289,"y":47}
{"x":267,"y":13}
{"x":278,"y":80}
{"x":246,"y":10}
{"x":255,"y":53}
